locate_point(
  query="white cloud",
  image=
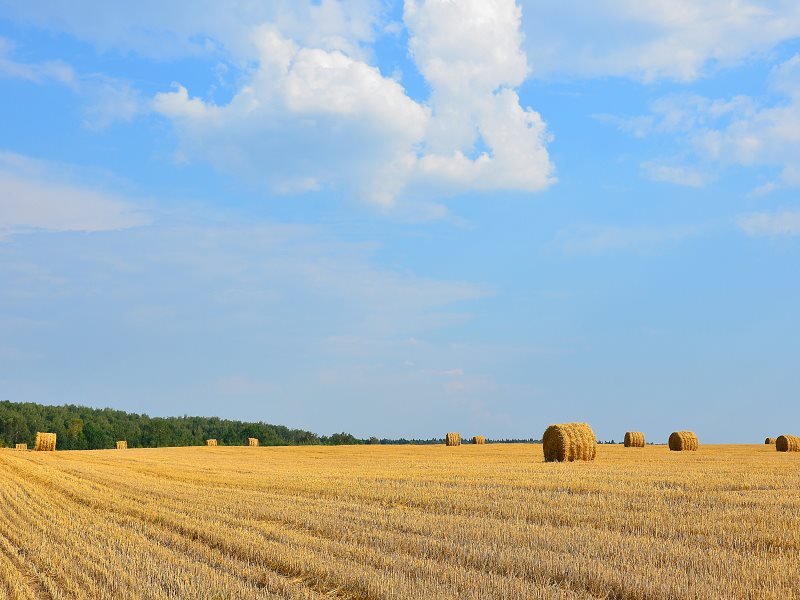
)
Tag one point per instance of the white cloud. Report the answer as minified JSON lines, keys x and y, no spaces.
{"x":676,"y":174}
{"x":470,"y":53}
{"x":106,"y":99}
{"x":36,"y":194}
{"x":34,"y":72}
{"x":310,"y":118}
{"x":782,"y":223}
{"x":652,"y":39}
{"x":741,"y":131}
{"x":599,"y":239}
{"x":167,"y":30}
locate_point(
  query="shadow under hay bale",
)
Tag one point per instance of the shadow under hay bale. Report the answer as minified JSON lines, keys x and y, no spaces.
{"x":45,"y":442}
{"x":787,"y":443}
{"x":634,"y":439}
{"x":567,"y":442}
{"x":452,"y":439}
{"x":683,"y":440}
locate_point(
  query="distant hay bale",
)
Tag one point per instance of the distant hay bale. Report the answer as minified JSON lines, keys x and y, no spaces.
{"x":683,"y":440}
{"x":567,"y":442}
{"x":45,"y":442}
{"x":21,"y":447}
{"x":122,"y":445}
{"x":211,"y":442}
{"x":787,"y":443}
{"x":634,"y":439}
{"x":453,"y":439}
{"x":478,"y":439}
{"x":770,"y":441}
{"x":252,"y":441}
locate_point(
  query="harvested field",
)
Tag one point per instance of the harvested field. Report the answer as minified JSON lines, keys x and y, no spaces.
{"x":400,"y":522}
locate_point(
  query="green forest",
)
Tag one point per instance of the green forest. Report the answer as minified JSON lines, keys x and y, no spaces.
{"x":83,"y":428}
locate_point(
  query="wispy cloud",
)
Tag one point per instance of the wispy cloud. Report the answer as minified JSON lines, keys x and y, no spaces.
{"x":599,"y":239}
{"x":775,"y":224}
{"x":41,"y":195}
{"x":676,"y":174}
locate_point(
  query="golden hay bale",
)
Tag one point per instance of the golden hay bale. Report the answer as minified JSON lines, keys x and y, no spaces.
{"x":787,"y":443}
{"x":634,"y":439}
{"x":566,"y":442}
{"x":453,"y":439}
{"x":122,"y":445}
{"x":252,"y":441}
{"x":683,"y":440}
{"x":21,"y":447}
{"x":770,"y":441}
{"x":478,"y":439}
{"x":45,"y":442}
{"x":211,"y":442}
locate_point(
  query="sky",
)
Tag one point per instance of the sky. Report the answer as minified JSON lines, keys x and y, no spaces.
{"x":405,"y":218}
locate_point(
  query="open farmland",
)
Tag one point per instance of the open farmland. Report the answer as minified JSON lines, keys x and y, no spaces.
{"x":399,"y":522}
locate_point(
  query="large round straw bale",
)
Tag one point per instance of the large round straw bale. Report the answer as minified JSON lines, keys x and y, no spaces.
{"x":21,"y":446}
{"x":568,"y":442}
{"x":211,"y":442}
{"x":453,"y":439}
{"x":45,"y":442}
{"x":252,"y":441}
{"x":478,"y":439}
{"x":683,"y":440}
{"x":787,"y":443}
{"x":122,"y":444}
{"x":770,"y":441}
{"x":634,"y":439}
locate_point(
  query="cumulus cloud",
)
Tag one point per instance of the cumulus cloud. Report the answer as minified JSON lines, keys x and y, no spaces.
{"x":782,"y":223}
{"x":312,"y":118}
{"x":652,"y":39}
{"x":39,"y":195}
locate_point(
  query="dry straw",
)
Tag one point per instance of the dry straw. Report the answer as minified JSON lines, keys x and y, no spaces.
{"x":122,"y":445}
{"x":770,"y":441}
{"x":683,"y":440}
{"x":211,"y":442}
{"x":787,"y":443}
{"x":252,"y":441}
{"x":478,"y":439}
{"x":634,"y":439}
{"x":21,"y":447}
{"x":569,"y":441}
{"x":45,"y":442}
{"x":453,"y":439}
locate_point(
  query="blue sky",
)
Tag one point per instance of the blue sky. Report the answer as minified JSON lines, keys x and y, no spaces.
{"x":402,"y":219}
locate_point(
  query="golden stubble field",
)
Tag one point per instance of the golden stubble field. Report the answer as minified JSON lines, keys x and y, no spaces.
{"x":401,"y":522}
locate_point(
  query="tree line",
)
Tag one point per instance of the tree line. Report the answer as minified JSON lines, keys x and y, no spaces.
{"x":84,"y":428}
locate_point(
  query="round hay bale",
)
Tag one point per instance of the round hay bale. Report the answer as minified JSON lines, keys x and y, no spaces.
{"x":122,"y":445}
{"x":683,"y":440}
{"x":787,"y":443}
{"x":452,"y":439}
{"x":211,"y":442}
{"x":478,"y":439}
{"x":634,"y":439}
{"x":252,"y":442}
{"x":770,"y":441}
{"x":21,"y":446}
{"x":569,"y":441}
